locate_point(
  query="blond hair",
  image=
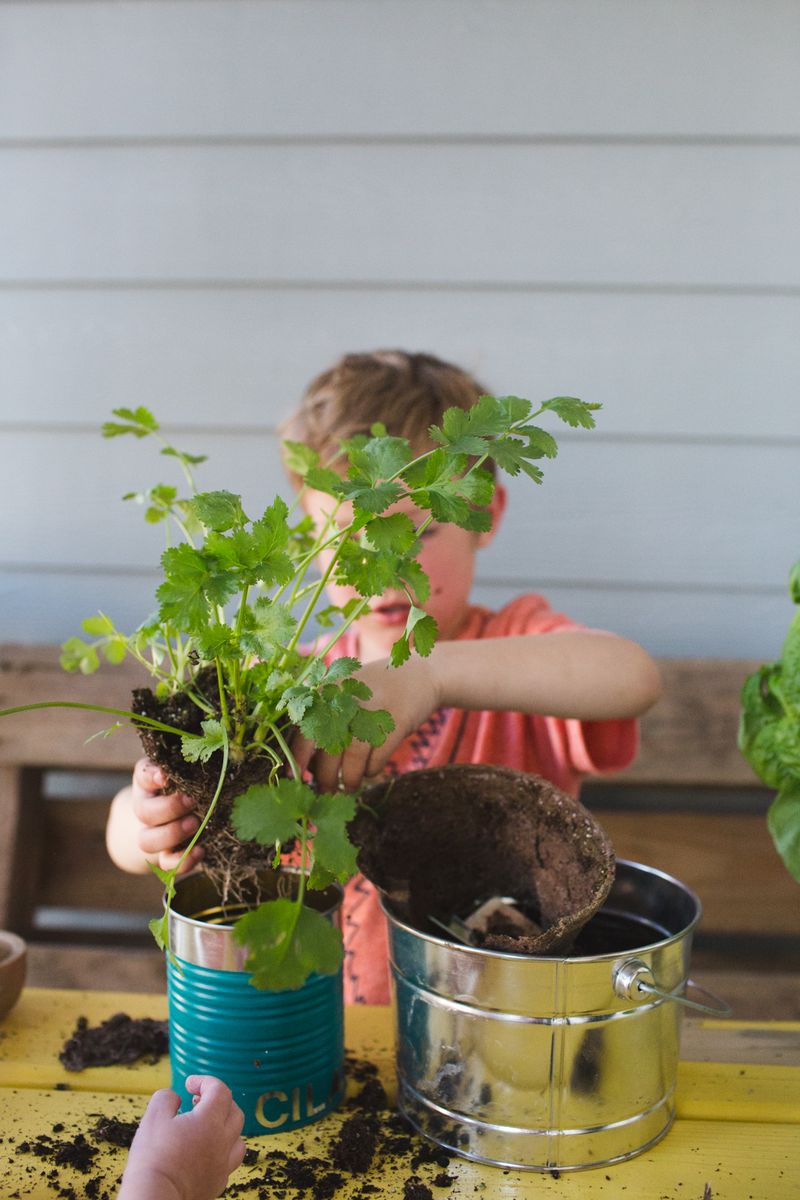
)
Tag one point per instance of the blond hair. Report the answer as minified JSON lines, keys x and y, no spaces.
{"x":405,"y":392}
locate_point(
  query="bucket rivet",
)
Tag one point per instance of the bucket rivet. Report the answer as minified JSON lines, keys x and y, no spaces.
{"x":627,"y":977}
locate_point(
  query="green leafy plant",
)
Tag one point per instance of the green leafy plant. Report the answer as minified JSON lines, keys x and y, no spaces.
{"x":769,"y":735}
{"x":224,"y":647}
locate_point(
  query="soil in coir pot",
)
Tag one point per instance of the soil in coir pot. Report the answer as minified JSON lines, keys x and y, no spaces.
{"x":441,"y":841}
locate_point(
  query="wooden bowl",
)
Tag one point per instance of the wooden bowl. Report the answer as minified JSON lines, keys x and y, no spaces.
{"x":13,"y":965}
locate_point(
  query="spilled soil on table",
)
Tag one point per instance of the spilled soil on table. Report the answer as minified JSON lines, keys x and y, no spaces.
{"x":367,"y":1151}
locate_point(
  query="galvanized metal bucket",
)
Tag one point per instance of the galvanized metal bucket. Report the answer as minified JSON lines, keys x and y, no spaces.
{"x":280,"y":1053}
{"x":548,"y":1063}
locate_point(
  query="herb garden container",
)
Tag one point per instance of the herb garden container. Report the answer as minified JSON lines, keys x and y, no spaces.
{"x":280,"y":1052}
{"x":548,"y":1063}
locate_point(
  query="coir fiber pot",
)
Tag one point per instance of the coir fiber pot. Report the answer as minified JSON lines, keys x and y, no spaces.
{"x":438,"y":841}
{"x":281,"y":1053}
{"x":559,"y":1061}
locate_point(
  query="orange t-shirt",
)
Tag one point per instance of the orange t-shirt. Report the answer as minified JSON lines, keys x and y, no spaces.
{"x":561,"y":750}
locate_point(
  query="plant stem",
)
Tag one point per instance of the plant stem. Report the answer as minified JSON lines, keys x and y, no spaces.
{"x":296,"y":773}
{"x":223,"y":704}
{"x":133,"y":718}
{"x":211,"y":806}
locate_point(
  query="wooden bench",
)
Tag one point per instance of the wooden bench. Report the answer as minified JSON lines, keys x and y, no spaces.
{"x":690,"y":805}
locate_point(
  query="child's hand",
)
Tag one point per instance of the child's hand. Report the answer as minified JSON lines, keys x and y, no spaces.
{"x":167,"y":819}
{"x":186,"y":1156}
{"x":410,"y":693}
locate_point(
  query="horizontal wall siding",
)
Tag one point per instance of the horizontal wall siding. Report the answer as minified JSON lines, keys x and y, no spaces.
{"x":400,"y":67}
{"x":48,"y":605}
{"x":705,"y":365}
{"x":619,"y":214}
{"x":633,"y":549}
{"x":204,"y":203}
{"x":677,"y":514}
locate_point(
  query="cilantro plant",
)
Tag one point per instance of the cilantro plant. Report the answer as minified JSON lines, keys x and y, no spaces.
{"x":238,"y":597}
{"x":769,"y":736}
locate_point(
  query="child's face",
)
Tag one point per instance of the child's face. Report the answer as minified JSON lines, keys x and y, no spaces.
{"x":447,"y":557}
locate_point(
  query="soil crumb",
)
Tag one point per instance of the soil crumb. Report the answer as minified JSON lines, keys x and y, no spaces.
{"x":120,"y":1039}
{"x":118,"y":1133}
{"x":374,"y":1151}
{"x":367,"y":1151}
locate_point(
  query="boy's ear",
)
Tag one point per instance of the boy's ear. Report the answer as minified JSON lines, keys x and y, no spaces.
{"x":496,"y":510}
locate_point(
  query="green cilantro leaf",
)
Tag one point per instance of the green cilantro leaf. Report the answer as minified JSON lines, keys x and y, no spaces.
{"x":269,"y":814}
{"x":424,"y":630}
{"x":137,"y":421}
{"x":334,"y":853}
{"x":379,"y":459}
{"x":370,"y":498}
{"x":371,"y":725}
{"x":572,"y":411}
{"x":396,"y":534}
{"x":267,"y":627}
{"x":326,"y":721}
{"x":298,"y":457}
{"x":370,"y":572}
{"x":115,"y":649}
{"x":77,"y":655}
{"x":99,"y":626}
{"x":415,"y":579}
{"x":323,"y":479}
{"x":190,"y":460}
{"x":200,"y":749}
{"x":287,"y":943}
{"x":194,"y":583}
{"x":219,"y":511}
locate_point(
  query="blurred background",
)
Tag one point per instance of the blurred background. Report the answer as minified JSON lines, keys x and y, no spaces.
{"x":204,"y":203}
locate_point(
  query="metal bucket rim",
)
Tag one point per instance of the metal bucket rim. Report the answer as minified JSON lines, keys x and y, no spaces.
{"x":610,"y":956}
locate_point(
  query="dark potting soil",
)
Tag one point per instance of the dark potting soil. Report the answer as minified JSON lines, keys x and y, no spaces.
{"x":374,"y":1149}
{"x":120,"y":1039}
{"x":114,"y":1131}
{"x":232,"y":865}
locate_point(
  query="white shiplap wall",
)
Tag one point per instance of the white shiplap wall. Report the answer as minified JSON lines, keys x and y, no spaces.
{"x":203,"y":202}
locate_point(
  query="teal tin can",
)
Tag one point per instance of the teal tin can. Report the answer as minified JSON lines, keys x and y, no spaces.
{"x":280,"y":1053}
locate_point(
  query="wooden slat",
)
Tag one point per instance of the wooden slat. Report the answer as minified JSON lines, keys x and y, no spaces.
{"x":524,"y":67}
{"x":729,"y":860}
{"x":72,"y":356}
{"x":20,"y":845}
{"x":689,"y":737}
{"x":58,"y":737}
{"x":591,"y":214}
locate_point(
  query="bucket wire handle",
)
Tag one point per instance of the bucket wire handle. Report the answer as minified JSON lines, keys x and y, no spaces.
{"x":635,"y":976}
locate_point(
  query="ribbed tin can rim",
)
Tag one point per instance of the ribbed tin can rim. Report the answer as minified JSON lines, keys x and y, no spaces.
{"x":227,"y":927}
{"x":609,"y":956}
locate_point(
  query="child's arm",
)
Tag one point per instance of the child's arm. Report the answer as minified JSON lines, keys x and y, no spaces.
{"x":577,"y":674}
{"x":186,"y":1156}
{"x":144,"y":824}
{"x":587,"y":676}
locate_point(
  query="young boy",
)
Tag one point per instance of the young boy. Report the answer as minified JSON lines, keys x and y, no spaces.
{"x":523,"y":687}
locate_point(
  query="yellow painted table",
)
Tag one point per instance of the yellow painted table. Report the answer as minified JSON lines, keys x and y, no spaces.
{"x":737,"y":1136}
